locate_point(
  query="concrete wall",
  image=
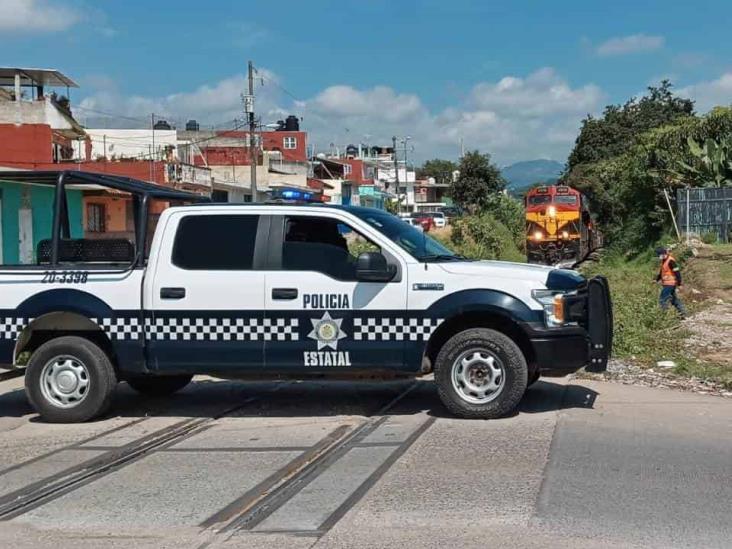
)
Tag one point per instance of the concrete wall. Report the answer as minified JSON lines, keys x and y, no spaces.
{"x":131,"y":143}
{"x":34,"y":112}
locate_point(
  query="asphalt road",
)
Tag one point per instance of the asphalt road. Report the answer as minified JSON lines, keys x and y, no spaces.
{"x":339,"y":464}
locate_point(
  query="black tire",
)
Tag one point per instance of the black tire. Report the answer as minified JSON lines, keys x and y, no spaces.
{"x":502,"y":348}
{"x":98,"y":374}
{"x":159,"y":385}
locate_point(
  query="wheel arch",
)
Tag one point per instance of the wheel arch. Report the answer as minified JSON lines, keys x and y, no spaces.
{"x":58,"y":312}
{"x":491,"y":318}
{"x":57,"y":324}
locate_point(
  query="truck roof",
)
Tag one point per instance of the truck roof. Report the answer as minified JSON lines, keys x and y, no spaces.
{"x":356,"y":210}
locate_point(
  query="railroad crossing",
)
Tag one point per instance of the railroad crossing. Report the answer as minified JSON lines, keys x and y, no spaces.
{"x":344,"y":464}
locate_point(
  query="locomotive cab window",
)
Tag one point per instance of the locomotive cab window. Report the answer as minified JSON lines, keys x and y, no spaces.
{"x":540,"y":199}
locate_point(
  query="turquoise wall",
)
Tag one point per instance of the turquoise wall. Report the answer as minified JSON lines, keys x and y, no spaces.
{"x":41,"y":202}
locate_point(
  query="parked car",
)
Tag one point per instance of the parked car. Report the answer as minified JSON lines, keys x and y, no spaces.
{"x":425,"y":220}
{"x":413,"y":222}
{"x":439,"y":219}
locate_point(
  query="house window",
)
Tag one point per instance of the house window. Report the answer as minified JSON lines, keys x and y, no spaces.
{"x":347,"y":169}
{"x":290,"y":142}
{"x":95,"y":218}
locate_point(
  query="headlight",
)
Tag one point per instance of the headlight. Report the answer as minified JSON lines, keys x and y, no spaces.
{"x":553,"y":303}
{"x":552,"y":211}
{"x":565,"y":234}
{"x":538,"y":235}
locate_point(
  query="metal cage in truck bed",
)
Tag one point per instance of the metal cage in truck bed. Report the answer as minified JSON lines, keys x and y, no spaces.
{"x":61,"y":248}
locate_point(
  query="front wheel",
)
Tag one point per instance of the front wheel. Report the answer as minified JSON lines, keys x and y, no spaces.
{"x":70,"y":380}
{"x":481,"y":374}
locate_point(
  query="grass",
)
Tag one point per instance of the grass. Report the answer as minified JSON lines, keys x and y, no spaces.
{"x":643,"y":333}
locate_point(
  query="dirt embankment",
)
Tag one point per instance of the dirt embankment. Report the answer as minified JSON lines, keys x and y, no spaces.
{"x":710,"y":292}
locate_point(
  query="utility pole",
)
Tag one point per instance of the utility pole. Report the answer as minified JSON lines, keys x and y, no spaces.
{"x":152,"y":156}
{"x":249,"y":108}
{"x":396,"y":165}
{"x":406,"y":174}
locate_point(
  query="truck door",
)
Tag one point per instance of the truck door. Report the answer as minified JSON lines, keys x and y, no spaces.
{"x":340,"y":321}
{"x":206,"y":298}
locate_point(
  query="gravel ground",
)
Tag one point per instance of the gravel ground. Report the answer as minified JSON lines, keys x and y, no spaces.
{"x":631,"y":374}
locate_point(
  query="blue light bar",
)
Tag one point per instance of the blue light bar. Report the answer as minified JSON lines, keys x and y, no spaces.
{"x":293,"y":194}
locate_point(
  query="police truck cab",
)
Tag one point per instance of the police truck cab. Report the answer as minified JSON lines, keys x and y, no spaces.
{"x":279,"y":290}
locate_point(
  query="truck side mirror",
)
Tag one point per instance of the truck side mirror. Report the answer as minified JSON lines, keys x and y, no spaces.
{"x":372,"y":267}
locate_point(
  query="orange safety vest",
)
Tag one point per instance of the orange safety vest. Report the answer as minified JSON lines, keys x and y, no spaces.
{"x":668,"y":278}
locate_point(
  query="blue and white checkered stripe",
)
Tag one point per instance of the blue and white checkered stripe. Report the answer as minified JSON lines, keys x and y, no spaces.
{"x":11,"y":327}
{"x":399,"y":329}
{"x":222,"y":329}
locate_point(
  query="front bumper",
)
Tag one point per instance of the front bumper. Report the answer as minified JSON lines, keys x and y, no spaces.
{"x":587,"y":343}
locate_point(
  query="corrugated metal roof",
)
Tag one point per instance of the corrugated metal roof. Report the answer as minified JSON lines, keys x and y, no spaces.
{"x":35,"y":77}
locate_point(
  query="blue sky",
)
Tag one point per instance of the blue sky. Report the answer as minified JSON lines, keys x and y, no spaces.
{"x":510,"y":78}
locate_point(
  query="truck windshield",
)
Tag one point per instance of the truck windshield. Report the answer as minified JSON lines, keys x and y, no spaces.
{"x":414,"y":242}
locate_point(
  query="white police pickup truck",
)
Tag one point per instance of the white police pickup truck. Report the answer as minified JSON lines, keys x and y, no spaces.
{"x":283,"y":290}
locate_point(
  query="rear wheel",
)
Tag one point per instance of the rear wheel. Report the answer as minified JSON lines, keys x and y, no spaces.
{"x":69,"y":380}
{"x":159,"y":385}
{"x":480,"y":373}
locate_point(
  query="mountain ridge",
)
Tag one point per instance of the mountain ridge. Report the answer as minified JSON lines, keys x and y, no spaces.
{"x":521,"y":175}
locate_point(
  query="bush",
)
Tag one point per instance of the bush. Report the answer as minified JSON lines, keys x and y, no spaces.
{"x":484,"y":237}
{"x":709,"y":237}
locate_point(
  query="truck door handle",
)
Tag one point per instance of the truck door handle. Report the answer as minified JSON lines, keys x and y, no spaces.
{"x":172,"y":293}
{"x":284,"y":293}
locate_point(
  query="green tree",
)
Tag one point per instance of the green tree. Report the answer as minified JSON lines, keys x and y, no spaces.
{"x":711,"y":165}
{"x":478,"y":181}
{"x":620,"y":125}
{"x":440,"y":170}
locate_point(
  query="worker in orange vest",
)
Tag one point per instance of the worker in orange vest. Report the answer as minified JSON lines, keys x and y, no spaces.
{"x":669,"y":275}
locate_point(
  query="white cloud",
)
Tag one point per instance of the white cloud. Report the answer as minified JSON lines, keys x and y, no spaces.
{"x":381,"y":101}
{"x":514,"y":118}
{"x":541,"y":93}
{"x":711,"y":93}
{"x":218,"y":103}
{"x":36,"y":16}
{"x":634,"y":43}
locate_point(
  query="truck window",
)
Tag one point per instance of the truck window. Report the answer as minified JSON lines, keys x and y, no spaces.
{"x":323,"y":245}
{"x":215,"y":242}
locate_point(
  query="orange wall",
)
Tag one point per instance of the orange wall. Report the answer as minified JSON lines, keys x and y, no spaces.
{"x":26,"y":143}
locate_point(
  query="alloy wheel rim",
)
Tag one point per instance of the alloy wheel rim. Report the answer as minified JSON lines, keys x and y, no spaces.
{"x":65,"y":381}
{"x":478,"y":376}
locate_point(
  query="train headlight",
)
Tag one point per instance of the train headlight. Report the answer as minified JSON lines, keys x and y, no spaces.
{"x":553,"y":303}
{"x":538,"y":235}
{"x":565,"y":234}
{"x":552,"y":211}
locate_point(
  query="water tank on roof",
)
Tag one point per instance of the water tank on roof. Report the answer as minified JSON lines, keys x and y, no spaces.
{"x":192,"y":126}
{"x":292,"y":123}
{"x":162,"y":125}
{"x":352,"y":151}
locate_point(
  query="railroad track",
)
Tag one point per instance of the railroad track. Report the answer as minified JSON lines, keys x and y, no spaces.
{"x":11,"y":374}
{"x":255,"y":508}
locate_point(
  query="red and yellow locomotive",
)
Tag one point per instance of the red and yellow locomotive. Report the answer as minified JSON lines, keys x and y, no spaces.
{"x":559,"y":227}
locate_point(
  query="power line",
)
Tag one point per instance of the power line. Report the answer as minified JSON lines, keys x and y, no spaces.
{"x":282,"y":88}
